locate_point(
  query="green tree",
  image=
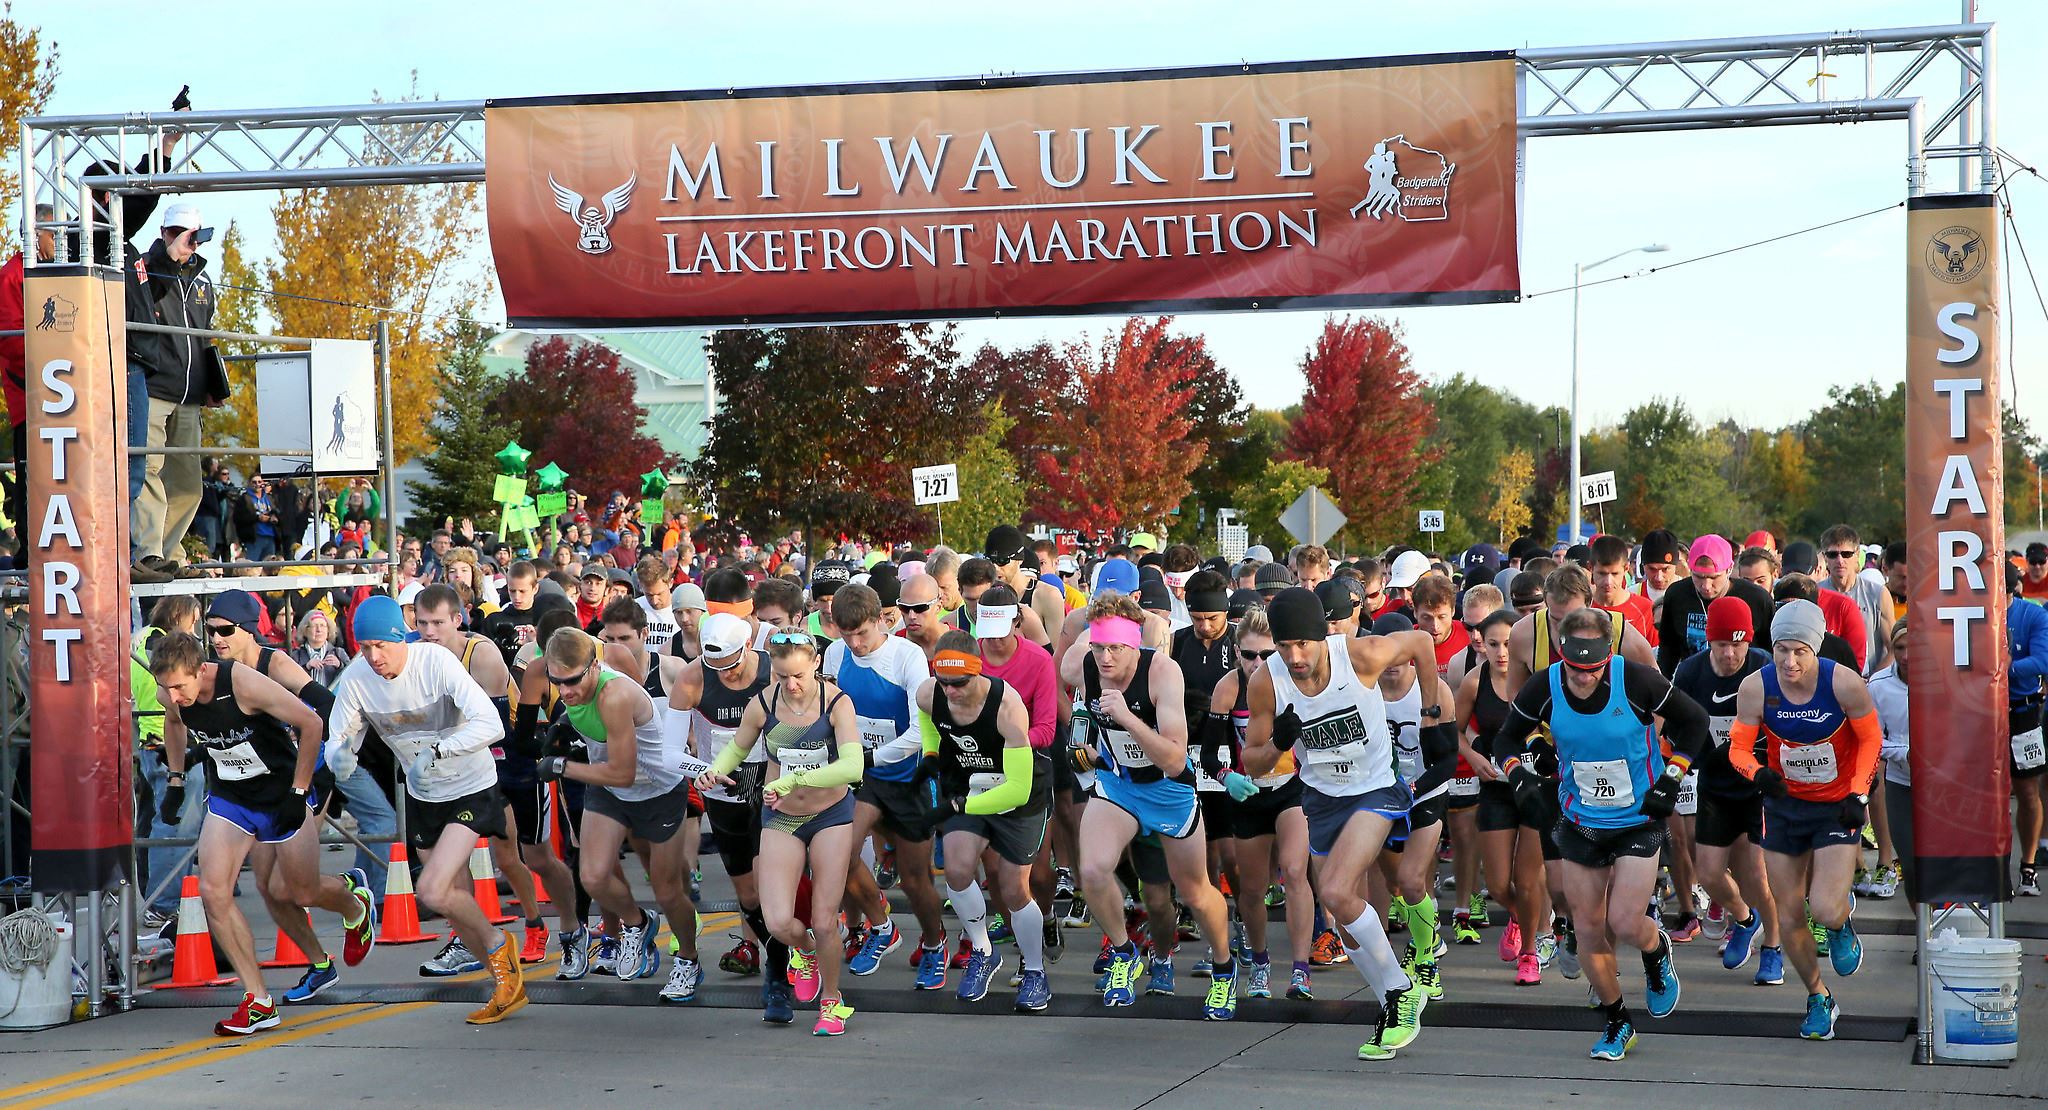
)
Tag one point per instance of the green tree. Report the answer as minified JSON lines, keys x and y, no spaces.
{"x":1508,"y":512}
{"x":1676,"y":478}
{"x":1856,"y":447}
{"x":990,"y":493}
{"x":465,"y":433}
{"x":1477,"y":424}
{"x":1261,"y":501}
{"x":28,"y":75}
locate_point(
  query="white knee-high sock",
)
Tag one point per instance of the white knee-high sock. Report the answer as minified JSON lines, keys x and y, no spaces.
{"x":1374,"y":957}
{"x":972,"y":910}
{"x":1028,"y":925}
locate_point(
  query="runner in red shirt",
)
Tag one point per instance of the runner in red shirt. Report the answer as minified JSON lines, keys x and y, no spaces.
{"x":1609,"y":571}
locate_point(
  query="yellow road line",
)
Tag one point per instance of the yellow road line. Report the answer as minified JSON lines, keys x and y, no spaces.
{"x":175,"y":1058}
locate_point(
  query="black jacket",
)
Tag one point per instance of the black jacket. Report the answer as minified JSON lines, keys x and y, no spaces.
{"x":181,"y":368}
{"x":1682,"y":626}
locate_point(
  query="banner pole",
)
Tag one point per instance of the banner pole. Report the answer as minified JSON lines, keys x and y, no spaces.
{"x":390,"y":459}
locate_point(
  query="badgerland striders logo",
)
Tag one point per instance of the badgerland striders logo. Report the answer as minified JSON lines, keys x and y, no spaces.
{"x":1409,"y":181}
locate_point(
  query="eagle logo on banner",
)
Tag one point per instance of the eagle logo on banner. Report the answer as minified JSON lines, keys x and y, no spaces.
{"x":595,"y":219}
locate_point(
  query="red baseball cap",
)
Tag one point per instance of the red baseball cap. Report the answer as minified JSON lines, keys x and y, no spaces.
{"x":1760,"y":538}
{"x":1729,"y":618}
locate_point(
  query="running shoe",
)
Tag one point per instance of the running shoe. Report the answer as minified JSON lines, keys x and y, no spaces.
{"x":2030,"y":882}
{"x":1221,"y":1004}
{"x":683,"y":977}
{"x":1887,"y":882}
{"x":965,"y":953}
{"x":1462,"y":930}
{"x":248,"y":1018}
{"x":931,"y":968}
{"x":1688,"y":928}
{"x":1258,"y":980}
{"x":999,"y":929}
{"x":1820,"y":935}
{"x":1770,"y":967}
{"x":803,"y":975}
{"x":854,"y":940}
{"x":1102,"y":957}
{"x":1717,"y":920}
{"x":1121,"y":983}
{"x":1327,"y":951}
{"x":1861,"y":884}
{"x":885,"y":875}
{"x":575,"y":954}
{"x":981,"y":967}
{"x":638,"y":956}
{"x":1821,"y":1013}
{"x":1078,"y":916}
{"x":1276,"y":895}
{"x":1429,"y":979}
{"x":880,"y":942}
{"x":1034,"y":992}
{"x":1568,"y":954}
{"x":315,"y":980}
{"x":1528,"y":970}
{"x":1203,"y":968}
{"x":1869,"y":837}
{"x":1546,"y":951}
{"x":1845,"y":949}
{"x":604,"y":954}
{"x":1510,"y":941}
{"x":1062,"y":885}
{"x":358,"y":939}
{"x":536,"y":948}
{"x":1160,"y":980}
{"x":1741,"y":941}
{"x":1299,"y":986}
{"x":452,"y":959}
{"x":744,"y":959}
{"x":1055,"y":939}
{"x":1184,"y":926}
{"x":1615,"y":1043}
{"x":775,"y":1002}
{"x":1405,"y":1023}
{"x":832,"y":1015}
{"x":1660,"y":982}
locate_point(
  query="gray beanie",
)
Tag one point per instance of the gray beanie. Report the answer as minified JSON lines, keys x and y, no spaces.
{"x":1505,"y":580}
{"x":1799,"y":621}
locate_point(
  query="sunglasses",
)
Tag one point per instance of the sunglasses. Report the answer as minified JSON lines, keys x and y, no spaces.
{"x":736,"y":657}
{"x":952,"y":683}
{"x":1258,"y":656}
{"x":1849,"y":554}
{"x":1529,"y":603}
{"x":916,"y":606}
{"x":572,"y":679}
{"x":222,"y":629}
{"x":792,"y":638}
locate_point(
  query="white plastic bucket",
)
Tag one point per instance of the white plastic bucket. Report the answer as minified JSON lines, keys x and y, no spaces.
{"x":39,"y":997}
{"x":1976,"y":997}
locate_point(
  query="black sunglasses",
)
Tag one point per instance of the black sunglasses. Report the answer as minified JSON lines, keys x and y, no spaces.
{"x":952,"y":683}
{"x":1851,"y":554}
{"x":1256,"y":656}
{"x":221,"y":629}
{"x":572,"y":679}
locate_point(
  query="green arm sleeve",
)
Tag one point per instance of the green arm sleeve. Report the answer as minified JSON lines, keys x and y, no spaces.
{"x":845,"y":770}
{"x":1016,"y":787}
{"x":929,"y":731}
{"x":728,"y":760}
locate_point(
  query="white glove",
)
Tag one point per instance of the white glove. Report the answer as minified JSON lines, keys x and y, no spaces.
{"x":422,"y":765}
{"x":341,"y":759}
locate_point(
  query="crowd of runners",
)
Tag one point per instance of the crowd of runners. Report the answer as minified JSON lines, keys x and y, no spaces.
{"x":1634,"y":748}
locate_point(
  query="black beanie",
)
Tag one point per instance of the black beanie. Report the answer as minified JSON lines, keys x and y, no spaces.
{"x":1296,"y":614}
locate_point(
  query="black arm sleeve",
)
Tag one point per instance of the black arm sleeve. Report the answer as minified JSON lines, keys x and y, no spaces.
{"x":1685,"y":723}
{"x":1439,"y":757}
{"x":318,"y":698}
{"x":524,"y":741}
{"x":1671,"y":627}
{"x":1215,"y":738}
{"x":1530,"y":707}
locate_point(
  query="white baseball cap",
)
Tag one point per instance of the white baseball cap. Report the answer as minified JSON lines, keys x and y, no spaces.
{"x":724,"y":636}
{"x":1067,"y":565}
{"x":993,"y":622}
{"x":187,"y":216}
{"x":410,"y":593}
{"x":1408,"y":567}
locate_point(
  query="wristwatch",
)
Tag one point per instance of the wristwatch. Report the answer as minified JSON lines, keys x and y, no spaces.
{"x":1433,"y":712}
{"x":179,"y":776}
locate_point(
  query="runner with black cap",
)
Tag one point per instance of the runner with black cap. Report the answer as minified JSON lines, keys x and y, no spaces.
{"x":1661,"y":564}
{"x":1615,"y":787}
{"x":1319,"y":698}
{"x":1017,"y":567}
{"x":1807,"y":734}
{"x":1426,"y":752}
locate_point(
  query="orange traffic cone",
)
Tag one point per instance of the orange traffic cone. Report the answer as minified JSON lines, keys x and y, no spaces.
{"x":484,"y":880}
{"x":540,"y":890}
{"x":192,"y":964}
{"x":401,"y":906}
{"x":288,"y":953}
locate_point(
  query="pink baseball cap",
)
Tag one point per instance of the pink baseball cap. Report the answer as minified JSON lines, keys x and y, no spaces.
{"x":1711,"y":554}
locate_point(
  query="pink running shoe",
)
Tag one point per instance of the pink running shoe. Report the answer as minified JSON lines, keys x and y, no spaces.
{"x":832,"y":1015}
{"x":1511,"y":941}
{"x":1528,"y":970}
{"x":803,"y":975}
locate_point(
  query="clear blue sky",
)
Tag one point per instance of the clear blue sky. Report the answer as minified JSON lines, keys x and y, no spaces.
{"x":1760,"y":335}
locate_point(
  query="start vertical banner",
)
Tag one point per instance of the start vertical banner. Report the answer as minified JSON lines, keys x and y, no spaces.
{"x":1955,"y":540}
{"x":1370,"y":181}
{"x":76,"y":526}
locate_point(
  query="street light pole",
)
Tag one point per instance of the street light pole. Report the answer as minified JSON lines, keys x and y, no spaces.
{"x":1578,"y":274}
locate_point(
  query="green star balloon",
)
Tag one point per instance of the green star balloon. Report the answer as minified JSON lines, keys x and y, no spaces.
{"x":653,"y":483}
{"x":552,"y":478}
{"x":512,"y":460}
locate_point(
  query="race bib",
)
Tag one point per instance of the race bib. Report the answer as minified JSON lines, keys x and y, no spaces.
{"x":794,"y":760}
{"x":238,"y":762}
{"x":1604,"y":783}
{"x":2028,"y":751}
{"x":1340,"y":766}
{"x":1722,"y":728}
{"x":875,"y":732}
{"x":1467,"y":787}
{"x":983,"y":783}
{"x":1809,"y":763}
{"x":1688,"y":795}
{"x":1127,"y":750}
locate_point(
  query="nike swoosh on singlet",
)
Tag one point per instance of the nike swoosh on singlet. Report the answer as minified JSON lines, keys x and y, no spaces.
{"x":1719,"y":698}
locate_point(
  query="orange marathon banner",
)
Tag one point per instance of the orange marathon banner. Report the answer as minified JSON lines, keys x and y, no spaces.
{"x":1956,"y":646}
{"x":1329,"y":184}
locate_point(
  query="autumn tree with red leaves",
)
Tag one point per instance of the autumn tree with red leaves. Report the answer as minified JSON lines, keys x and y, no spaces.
{"x":574,"y":406}
{"x":1363,"y":419}
{"x":1121,"y":455}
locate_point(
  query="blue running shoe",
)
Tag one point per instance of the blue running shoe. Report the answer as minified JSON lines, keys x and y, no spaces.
{"x":931,"y":968}
{"x":999,"y":930}
{"x":1221,"y":1004}
{"x":775,"y":1001}
{"x":1615,"y":1043}
{"x":1821,"y":1013}
{"x":1034,"y":993}
{"x":1741,"y":941}
{"x":981,"y":967}
{"x":1845,"y":949}
{"x":315,"y":980}
{"x":1770,"y":967}
{"x":1102,"y":958}
{"x":1161,"y":981}
{"x":1660,"y":982}
{"x":1203,"y":968}
{"x":879,"y":944}
{"x":1121,"y":981}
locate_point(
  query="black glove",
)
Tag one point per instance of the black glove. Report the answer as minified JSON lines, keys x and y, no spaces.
{"x":173,"y":803}
{"x":1855,"y":811}
{"x":1081,"y":759}
{"x":1530,"y":792}
{"x":552,"y":767}
{"x":1661,"y":798}
{"x":1770,"y":783}
{"x":953,"y":803}
{"x":927,"y":770}
{"x":563,"y":739}
{"x":1286,"y":729}
{"x":183,"y":101}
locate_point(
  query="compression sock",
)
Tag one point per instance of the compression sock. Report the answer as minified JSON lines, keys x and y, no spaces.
{"x":1028,"y":926}
{"x":1422,"y":929}
{"x":777,"y":953}
{"x":972,"y":910}
{"x":1127,"y":874}
{"x":1374,"y":957}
